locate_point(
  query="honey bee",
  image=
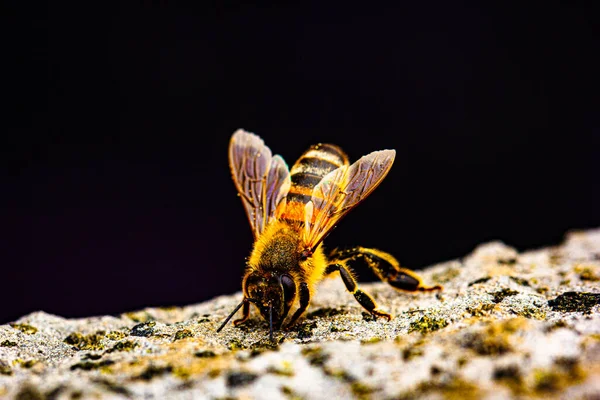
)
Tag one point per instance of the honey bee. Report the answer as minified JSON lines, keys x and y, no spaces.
{"x":291,"y":212}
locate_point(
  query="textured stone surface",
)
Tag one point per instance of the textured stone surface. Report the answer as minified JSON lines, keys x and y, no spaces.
{"x":506,"y":325}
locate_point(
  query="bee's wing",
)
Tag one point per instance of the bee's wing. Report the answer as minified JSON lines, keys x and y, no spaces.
{"x":341,"y":190}
{"x":262,"y":180}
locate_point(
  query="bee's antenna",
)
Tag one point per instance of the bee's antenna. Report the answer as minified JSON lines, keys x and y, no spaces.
{"x":232,"y":314}
{"x":270,"y":321}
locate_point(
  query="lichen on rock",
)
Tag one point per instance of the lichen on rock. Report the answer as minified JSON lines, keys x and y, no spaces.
{"x":508,"y":325}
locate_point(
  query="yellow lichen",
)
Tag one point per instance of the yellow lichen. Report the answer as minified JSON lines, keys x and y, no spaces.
{"x":495,"y":339}
{"x":587,"y":272}
{"x":139,"y":316}
{"x":25,"y":328}
{"x":446,"y":275}
{"x":93,"y":341}
{"x":115,"y":335}
{"x":427,"y":324}
{"x":566,"y":372}
{"x":284,"y":369}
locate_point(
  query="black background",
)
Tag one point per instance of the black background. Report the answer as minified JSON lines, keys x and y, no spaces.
{"x":116,"y":189}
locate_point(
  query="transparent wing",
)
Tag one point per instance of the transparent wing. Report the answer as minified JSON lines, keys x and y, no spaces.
{"x":341,"y":190}
{"x":261,"y":179}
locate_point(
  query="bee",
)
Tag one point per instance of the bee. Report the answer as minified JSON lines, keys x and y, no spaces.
{"x":291,"y":211}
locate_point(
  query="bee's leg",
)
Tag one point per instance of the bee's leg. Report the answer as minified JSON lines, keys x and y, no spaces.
{"x":304,"y":302}
{"x":363,"y":298}
{"x":245,"y":314}
{"x":387,"y":268}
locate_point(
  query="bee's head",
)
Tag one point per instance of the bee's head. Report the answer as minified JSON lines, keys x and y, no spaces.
{"x":272,"y":294}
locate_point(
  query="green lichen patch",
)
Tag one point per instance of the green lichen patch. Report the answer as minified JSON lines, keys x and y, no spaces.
{"x":480,"y":280}
{"x":252,"y":325}
{"x":305,"y":330}
{"x":427,"y":324}
{"x":412,"y":351}
{"x":92,"y":341}
{"x":542,"y":289}
{"x":182,"y":334}
{"x":325,"y":312}
{"x":235,"y":344}
{"x":5,"y":368}
{"x":285,"y":369}
{"x":340,"y":374}
{"x":315,"y":356}
{"x":556,"y":325}
{"x":530,"y":312}
{"x":139,"y":316}
{"x":565,"y":372}
{"x":575,"y":302}
{"x":112,"y":387}
{"x":25,"y":328}
{"x":520,"y":281}
{"x":371,"y":340}
{"x":182,"y":372}
{"x":360,"y":390}
{"x":255,"y":352}
{"x":152,"y":371}
{"x":502,"y":294}
{"x":92,"y":356}
{"x":8,"y":343}
{"x":449,"y":389}
{"x":29,"y":392}
{"x":56,"y":393}
{"x":90,"y":365}
{"x":205,"y":354}
{"x":143,"y":329}
{"x":240,"y":378}
{"x":462,"y":361}
{"x":481,"y":309}
{"x":289,"y":393}
{"x":265,"y":344}
{"x":555,"y":257}
{"x":116,"y":335}
{"x":126,"y":345}
{"x":588,"y":272}
{"x":446,"y":275}
{"x":25,"y":363}
{"x":510,"y":376}
{"x":495,"y":338}
{"x":337,"y":328}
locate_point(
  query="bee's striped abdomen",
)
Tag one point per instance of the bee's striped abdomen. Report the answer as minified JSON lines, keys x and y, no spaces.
{"x":307,"y":172}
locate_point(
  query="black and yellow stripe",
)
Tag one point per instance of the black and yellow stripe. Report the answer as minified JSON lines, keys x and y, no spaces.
{"x":307,"y":172}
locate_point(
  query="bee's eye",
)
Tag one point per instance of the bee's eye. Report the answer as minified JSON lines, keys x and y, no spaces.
{"x":289,"y":287}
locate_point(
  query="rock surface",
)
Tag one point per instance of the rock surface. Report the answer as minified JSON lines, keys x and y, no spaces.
{"x":507,"y":325}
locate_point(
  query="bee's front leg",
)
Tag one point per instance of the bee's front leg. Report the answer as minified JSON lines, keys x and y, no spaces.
{"x":363,"y":298}
{"x":245,"y":314}
{"x":304,"y":302}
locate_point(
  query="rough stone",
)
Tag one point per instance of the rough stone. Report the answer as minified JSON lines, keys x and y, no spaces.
{"x":507,"y":325}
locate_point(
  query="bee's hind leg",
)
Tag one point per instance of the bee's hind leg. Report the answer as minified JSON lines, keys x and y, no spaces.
{"x":363,"y":298}
{"x":387,"y":268}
